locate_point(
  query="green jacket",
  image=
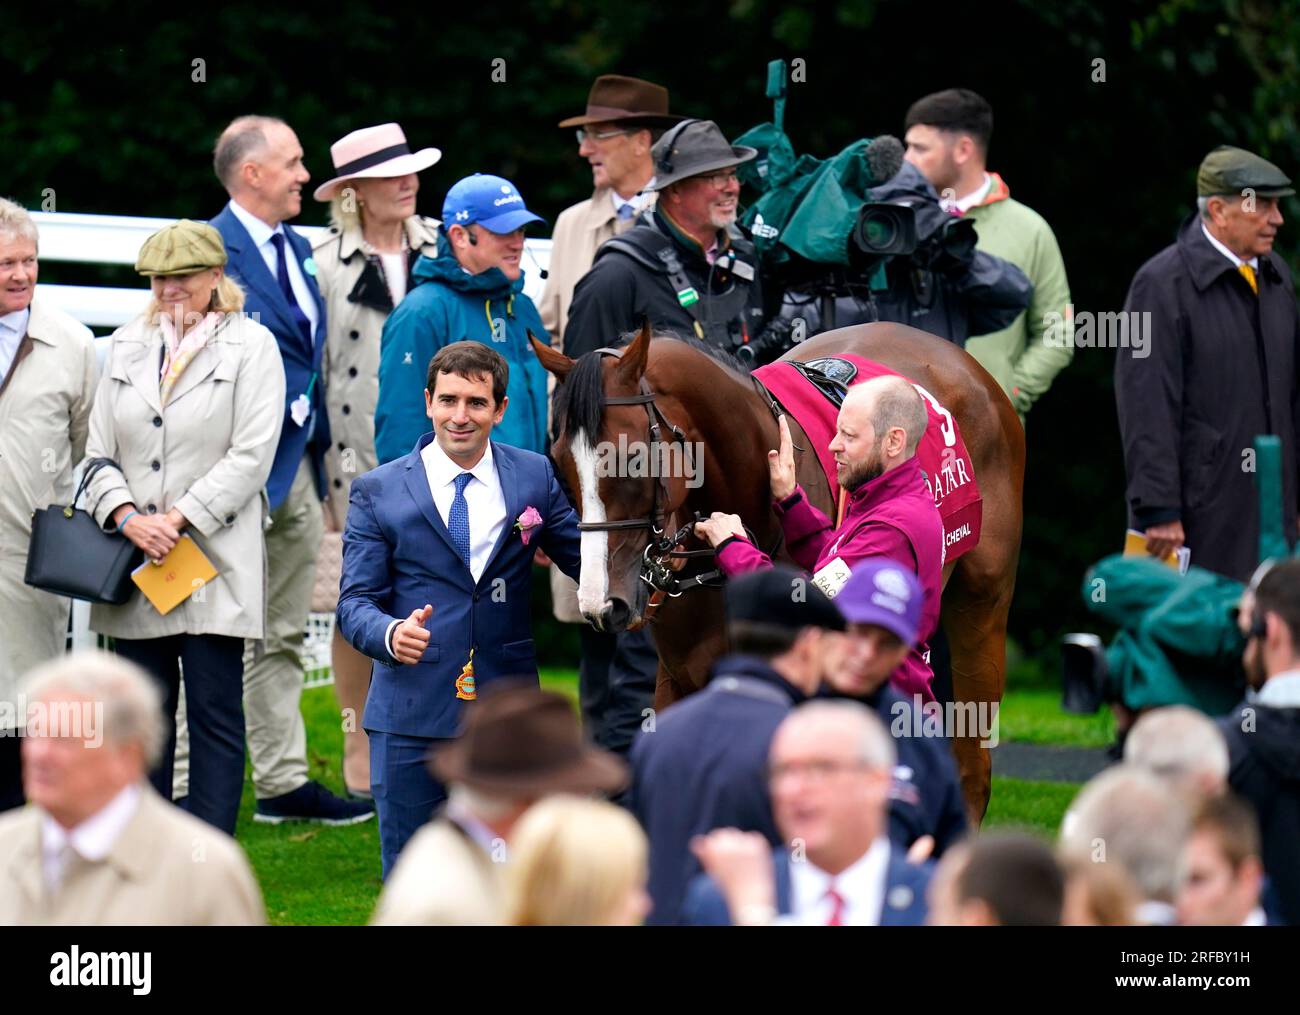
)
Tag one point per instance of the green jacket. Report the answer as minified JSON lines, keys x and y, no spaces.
{"x":1028,"y":355}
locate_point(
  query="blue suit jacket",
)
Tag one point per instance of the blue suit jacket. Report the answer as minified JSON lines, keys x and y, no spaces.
{"x":398,"y":555}
{"x":302,"y":364}
{"x":904,"y":902}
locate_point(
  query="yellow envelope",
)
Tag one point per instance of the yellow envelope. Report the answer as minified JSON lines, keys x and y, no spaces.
{"x":1135,"y":545}
{"x":182,"y":573}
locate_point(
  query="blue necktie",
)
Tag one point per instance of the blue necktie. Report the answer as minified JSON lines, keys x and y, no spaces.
{"x":458,"y":518}
{"x":626,"y":211}
{"x":286,"y":287}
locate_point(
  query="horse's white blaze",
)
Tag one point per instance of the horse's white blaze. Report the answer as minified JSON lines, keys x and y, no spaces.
{"x":593,"y":578}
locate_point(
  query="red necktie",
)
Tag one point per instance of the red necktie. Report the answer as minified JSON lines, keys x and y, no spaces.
{"x":836,"y":918}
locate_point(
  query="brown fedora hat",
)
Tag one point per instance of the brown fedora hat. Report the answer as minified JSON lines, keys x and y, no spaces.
{"x":522,"y":741}
{"x":615,"y":98}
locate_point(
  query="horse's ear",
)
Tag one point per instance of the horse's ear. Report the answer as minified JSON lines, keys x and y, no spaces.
{"x":632,"y":365}
{"x":556,"y":362}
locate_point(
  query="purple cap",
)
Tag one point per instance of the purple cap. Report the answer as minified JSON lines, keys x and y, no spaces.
{"x":885,"y":593}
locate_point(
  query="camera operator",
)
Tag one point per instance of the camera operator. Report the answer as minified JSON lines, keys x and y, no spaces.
{"x":685,"y":266}
{"x":937,"y":282}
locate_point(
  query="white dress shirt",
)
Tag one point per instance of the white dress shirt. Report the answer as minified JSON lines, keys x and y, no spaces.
{"x":637,"y":201}
{"x":12,"y":329}
{"x":483,"y":497}
{"x":862,"y":886}
{"x":261,"y":233}
{"x":93,"y":839}
{"x":1237,"y":262}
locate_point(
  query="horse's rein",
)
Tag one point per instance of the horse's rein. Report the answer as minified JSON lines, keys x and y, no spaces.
{"x":660,"y":549}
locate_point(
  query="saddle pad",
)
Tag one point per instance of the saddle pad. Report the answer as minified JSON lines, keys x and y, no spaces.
{"x":944,"y":458}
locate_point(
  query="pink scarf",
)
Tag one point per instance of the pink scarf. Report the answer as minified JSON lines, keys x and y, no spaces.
{"x":180,"y":350}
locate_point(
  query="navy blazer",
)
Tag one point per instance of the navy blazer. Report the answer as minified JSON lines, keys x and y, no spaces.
{"x":398,"y":555}
{"x":704,"y":767}
{"x":302,"y":364}
{"x":903,"y":905}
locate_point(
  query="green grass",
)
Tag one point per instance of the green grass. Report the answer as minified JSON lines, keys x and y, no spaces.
{"x":1033,"y":716}
{"x":313,"y":875}
{"x":1024,"y":805}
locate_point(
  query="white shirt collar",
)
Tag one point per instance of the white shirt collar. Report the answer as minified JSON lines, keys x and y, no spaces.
{"x":95,"y":837}
{"x":965,"y":204}
{"x":1255,"y":919}
{"x":443,"y":471}
{"x":1237,"y":262}
{"x":1282,"y":690}
{"x":862,"y":886}
{"x":472,"y":826}
{"x":260,"y":232}
{"x":638,"y":200}
{"x":16,"y":322}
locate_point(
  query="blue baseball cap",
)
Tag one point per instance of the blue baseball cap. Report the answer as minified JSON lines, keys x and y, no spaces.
{"x":490,"y":201}
{"x":884,"y":593}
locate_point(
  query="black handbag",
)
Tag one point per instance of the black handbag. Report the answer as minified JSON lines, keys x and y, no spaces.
{"x":70,"y":555}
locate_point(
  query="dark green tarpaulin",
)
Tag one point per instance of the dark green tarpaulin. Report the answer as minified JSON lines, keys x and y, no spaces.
{"x":1179,"y":643}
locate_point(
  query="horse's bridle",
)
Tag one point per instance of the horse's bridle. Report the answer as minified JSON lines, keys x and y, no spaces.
{"x":662,"y":548}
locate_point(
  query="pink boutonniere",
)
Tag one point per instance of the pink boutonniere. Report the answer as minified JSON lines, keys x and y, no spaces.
{"x":526,"y":522}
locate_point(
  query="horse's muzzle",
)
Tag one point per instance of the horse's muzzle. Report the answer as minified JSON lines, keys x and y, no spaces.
{"x":613,"y":619}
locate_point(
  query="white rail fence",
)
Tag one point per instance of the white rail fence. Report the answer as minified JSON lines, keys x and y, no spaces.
{"x":71,"y":238}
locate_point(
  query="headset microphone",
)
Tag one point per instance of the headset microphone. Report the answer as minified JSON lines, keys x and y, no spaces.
{"x":542,"y":273}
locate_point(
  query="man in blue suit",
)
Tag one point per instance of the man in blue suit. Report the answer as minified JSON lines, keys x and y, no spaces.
{"x":437,"y":577}
{"x":830,"y":768}
{"x":259,"y":161}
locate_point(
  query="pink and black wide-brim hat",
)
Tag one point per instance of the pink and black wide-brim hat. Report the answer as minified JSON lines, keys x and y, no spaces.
{"x":374,"y":152}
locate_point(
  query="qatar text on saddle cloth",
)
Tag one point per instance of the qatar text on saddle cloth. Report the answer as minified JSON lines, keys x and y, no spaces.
{"x":947,"y":464}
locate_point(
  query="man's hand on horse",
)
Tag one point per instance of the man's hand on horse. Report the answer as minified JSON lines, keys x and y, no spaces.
{"x":719,"y":526}
{"x":780,"y":463}
{"x":1162,"y":540}
{"x":410,"y":638}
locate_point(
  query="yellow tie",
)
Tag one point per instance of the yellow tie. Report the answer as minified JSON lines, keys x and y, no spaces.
{"x":1248,"y":273}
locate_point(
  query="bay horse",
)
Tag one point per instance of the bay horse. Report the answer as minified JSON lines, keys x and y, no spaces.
{"x":670,"y":389}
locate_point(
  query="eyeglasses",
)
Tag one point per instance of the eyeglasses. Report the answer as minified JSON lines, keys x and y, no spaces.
{"x":722,"y":180}
{"x":813,"y":771}
{"x":583,"y":135}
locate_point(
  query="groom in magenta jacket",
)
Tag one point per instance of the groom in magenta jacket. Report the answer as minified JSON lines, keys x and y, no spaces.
{"x":437,"y":578}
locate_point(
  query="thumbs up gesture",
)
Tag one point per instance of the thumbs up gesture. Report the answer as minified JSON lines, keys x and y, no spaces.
{"x":410,"y":638}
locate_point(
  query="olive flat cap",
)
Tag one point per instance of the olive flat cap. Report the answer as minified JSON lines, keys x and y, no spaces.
{"x":181,"y":248}
{"x":1228,"y":170}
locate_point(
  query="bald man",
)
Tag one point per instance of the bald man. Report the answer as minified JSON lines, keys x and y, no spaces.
{"x":890,"y":510}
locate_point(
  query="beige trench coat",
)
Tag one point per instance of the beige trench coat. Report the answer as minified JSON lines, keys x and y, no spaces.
{"x":44,"y":413}
{"x":351,"y":366}
{"x":166,"y":868}
{"x":207,"y":453}
{"x":579,"y":231}
{"x":442,"y":878}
